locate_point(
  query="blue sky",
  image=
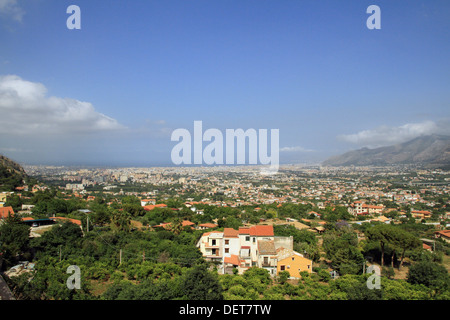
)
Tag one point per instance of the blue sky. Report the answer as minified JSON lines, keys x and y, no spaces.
{"x":112,"y":92}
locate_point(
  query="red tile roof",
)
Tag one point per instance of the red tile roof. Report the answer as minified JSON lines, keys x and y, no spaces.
{"x":244,"y":230}
{"x":257,"y":230}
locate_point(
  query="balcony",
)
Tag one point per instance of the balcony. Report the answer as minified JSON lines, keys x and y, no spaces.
{"x":268,"y":265}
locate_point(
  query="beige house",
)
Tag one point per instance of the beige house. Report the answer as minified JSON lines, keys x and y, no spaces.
{"x":420,"y":214}
{"x":443,"y":234}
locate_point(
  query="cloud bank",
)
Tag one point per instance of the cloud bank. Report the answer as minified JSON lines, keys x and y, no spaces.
{"x":26,"y":109}
{"x":387,"y":135}
{"x":295,"y":149}
{"x":11,"y":8}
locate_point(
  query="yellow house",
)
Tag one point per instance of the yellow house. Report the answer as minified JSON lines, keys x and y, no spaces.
{"x":3,"y":197}
{"x":293,"y":262}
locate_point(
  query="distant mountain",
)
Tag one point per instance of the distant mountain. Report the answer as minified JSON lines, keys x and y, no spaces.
{"x":430,"y":151}
{"x":12,"y":174}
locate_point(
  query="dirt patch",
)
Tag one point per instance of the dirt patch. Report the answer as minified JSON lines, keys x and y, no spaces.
{"x":137,"y":224}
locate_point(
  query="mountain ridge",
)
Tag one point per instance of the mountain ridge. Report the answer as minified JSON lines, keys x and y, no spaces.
{"x":430,"y":151}
{"x":12,"y":174}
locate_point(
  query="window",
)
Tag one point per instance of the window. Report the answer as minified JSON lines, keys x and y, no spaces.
{"x":293,"y":258}
{"x":247,"y":238}
{"x":227,"y":250}
{"x":227,"y":242}
{"x":213,"y":242}
{"x":282,"y":268}
{"x":254,"y":239}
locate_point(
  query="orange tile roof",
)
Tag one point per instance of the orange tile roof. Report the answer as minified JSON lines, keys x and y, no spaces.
{"x":5,"y":211}
{"x":77,"y":222}
{"x":257,"y":230}
{"x":153,"y":206}
{"x":244,"y":230}
{"x":233,"y":259}
{"x":166,"y":225}
{"x":208,"y":225}
{"x":261,"y":231}
{"x":230,"y":233}
{"x":445,"y":233}
{"x":420,"y":211}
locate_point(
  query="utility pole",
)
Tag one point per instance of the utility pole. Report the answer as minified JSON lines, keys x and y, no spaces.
{"x":120,"y":257}
{"x":59,"y":253}
{"x":87,"y":230}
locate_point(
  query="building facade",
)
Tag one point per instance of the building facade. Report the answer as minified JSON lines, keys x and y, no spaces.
{"x":239,"y":250}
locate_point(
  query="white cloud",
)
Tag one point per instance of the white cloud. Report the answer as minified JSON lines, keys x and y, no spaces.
{"x":295,"y":149}
{"x":12,"y":9}
{"x":26,"y":110}
{"x":386,"y":135}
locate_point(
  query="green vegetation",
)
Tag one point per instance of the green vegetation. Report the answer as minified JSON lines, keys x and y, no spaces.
{"x":122,"y":257}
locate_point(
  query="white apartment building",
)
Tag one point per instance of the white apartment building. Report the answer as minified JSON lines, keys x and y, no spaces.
{"x":361,"y":208}
{"x":243,"y":248}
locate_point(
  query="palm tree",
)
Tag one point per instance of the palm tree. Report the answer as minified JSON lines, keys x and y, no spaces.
{"x":176,"y":226}
{"x":121,"y":220}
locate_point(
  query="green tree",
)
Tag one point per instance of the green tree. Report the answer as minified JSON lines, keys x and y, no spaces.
{"x":14,"y":239}
{"x":101,"y":216}
{"x":260,"y":274}
{"x":283,"y":276}
{"x":121,"y":221}
{"x":15,"y":202}
{"x":404,"y":241}
{"x":383,"y":234}
{"x":176,"y":226}
{"x":200,"y":284}
{"x":430,"y":274}
{"x":341,"y":248}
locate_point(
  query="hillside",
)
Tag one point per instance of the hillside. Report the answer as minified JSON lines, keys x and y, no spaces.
{"x":430,"y":151}
{"x":11,"y":174}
